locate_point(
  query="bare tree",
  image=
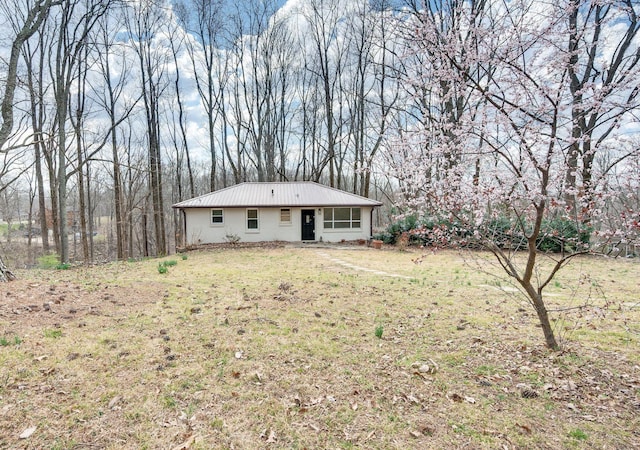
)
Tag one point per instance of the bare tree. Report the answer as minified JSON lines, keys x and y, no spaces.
{"x":372,"y":89}
{"x":145,"y":21}
{"x":36,"y":14}
{"x":74,"y":24}
{"x":204,"y":19}
{"x":263,"y":51}
{"x":603,"y":87}
{"x":326,"y":65}
{"x":110,"y":96}
{"x":34,"y":61}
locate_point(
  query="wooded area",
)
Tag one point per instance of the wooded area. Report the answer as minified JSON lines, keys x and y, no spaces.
{"x":123,"y":108}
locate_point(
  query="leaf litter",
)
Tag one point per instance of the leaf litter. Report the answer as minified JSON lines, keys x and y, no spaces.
{"x":434,"y":381}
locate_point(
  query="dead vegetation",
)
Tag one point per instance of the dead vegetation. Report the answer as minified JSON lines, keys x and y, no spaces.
{"x":285,"y":348}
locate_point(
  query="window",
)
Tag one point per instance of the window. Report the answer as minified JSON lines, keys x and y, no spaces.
{"x":285,"y":215}
{"x":341,"y":218}
{"x":217,"y":216}
{"x":252,"y":219}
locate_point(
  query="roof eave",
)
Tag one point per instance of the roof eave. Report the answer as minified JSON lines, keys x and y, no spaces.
{"x":306,"y":205}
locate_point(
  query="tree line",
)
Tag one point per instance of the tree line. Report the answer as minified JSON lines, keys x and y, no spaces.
{"x":143,"y":104}
{"x":129,"y":107}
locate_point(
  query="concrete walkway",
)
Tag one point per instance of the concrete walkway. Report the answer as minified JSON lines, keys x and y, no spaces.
{"x":348,"y":265}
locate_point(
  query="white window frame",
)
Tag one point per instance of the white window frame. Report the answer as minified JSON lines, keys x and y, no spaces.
{"x":330,"y":224}
{"x":257,"y":219}
{"x":216,"y":224}
{"x":285,"y":222}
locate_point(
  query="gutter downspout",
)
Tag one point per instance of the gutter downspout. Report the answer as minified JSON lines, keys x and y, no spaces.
{"x":371,"y":223}
{"x":184,"y":226}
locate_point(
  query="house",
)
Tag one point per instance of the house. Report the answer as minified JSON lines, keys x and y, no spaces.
{"x":288,"y":211}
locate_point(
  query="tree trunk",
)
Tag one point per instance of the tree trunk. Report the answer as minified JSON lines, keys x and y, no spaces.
{"x":82,"y":207}
{"x":34,"y":18}
{"x":5,"y":274}
{"x":543,"y":317}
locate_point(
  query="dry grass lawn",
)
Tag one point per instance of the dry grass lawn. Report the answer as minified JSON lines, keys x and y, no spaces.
{"x":316,"y":348}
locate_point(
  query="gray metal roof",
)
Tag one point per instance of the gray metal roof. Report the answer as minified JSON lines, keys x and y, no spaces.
{"x":295,"y":193}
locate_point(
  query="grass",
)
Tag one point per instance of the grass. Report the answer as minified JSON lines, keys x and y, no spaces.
{"x":5,"y":342}
{"x":285,"y":348}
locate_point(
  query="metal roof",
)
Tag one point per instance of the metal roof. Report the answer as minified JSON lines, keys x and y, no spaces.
{"x":295,"y":193}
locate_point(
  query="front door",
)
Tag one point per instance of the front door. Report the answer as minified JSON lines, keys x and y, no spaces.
{"x":308,"y":224}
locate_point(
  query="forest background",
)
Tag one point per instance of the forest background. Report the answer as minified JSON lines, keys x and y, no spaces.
{"x":466,"y":112}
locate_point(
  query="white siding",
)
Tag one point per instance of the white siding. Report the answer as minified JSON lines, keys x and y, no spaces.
{"x":200,"y":230}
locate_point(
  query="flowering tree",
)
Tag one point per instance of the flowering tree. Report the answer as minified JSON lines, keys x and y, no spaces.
{"x":545,"y":95}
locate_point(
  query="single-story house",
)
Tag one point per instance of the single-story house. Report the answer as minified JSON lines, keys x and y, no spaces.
{"x":286,"y":211}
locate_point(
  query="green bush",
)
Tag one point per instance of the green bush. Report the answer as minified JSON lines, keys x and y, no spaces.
{"x":162,"y":269}
{"x":394,"y":230}
{"x":558,"y":234}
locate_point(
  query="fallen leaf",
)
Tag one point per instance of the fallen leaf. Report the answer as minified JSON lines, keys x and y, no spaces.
{"x":315,"y":401}
{"x":28,"y":432}
{"x":370,"y":435}
{"x":186,"y":444}
{"x":413,"y":399}
{"x":114,"y":401}
{"x":525,"y":428}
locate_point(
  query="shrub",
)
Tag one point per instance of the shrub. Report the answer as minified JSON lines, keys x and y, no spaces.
{"x":504,"y":233}
{"x":558,"y":234}
{"x":232,"y":238}
{"x":561,"y":234}
{"x":162,"y":269}
{"x":394,"y":230}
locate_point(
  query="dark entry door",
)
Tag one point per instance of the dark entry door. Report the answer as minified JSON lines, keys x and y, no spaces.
{"x":308,"y":224}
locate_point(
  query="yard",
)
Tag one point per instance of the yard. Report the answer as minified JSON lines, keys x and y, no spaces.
{"x":317,"y":348}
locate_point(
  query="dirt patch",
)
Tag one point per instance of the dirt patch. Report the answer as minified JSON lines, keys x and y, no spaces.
{"x":33,"y":304}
